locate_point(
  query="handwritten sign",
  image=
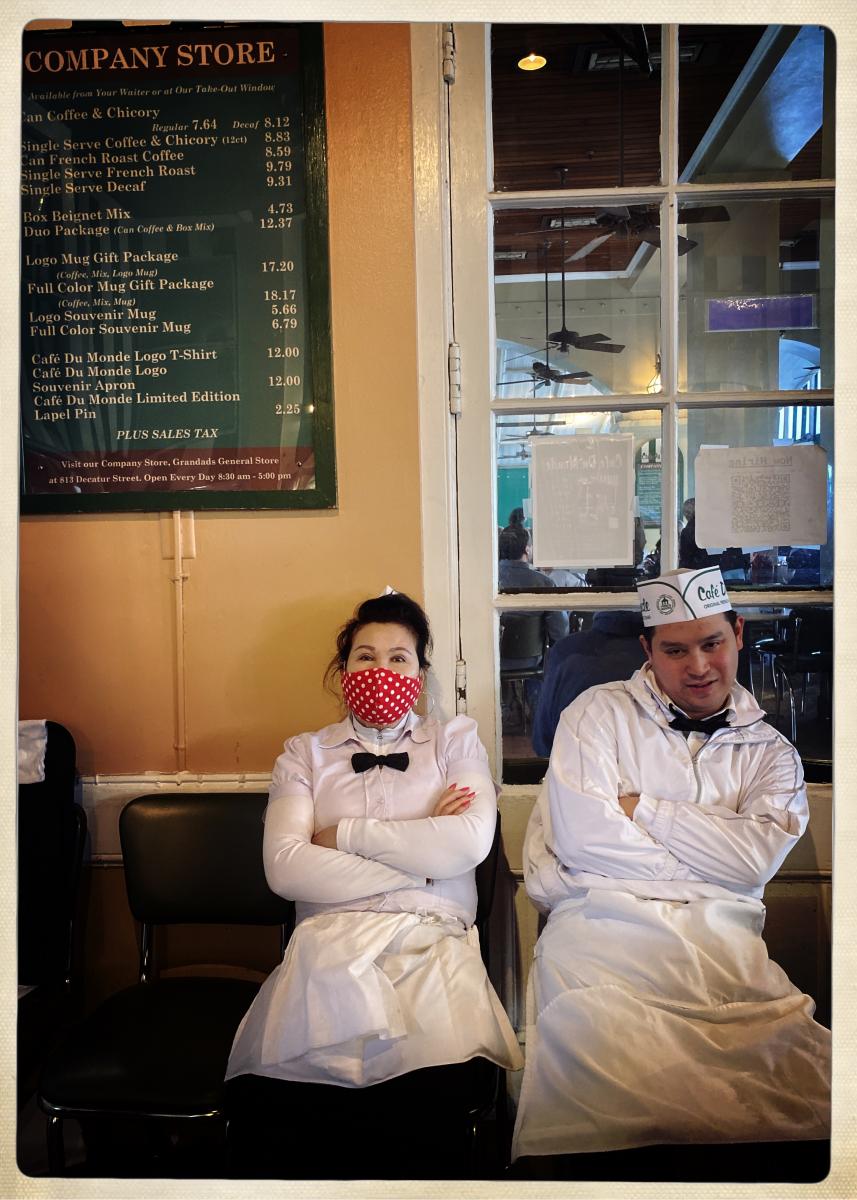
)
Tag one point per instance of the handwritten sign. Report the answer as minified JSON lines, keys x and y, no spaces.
{"x":582,"y":492}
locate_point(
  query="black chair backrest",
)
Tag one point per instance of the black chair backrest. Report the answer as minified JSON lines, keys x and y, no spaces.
{"x":197,"y":858}
{"x":51,"y":836}
{"x":486,"y":879}
{"x":814,"y":628}
{"x":522,"y":635}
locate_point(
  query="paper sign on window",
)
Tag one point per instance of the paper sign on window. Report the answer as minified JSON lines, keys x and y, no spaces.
{"x":761,"y":496}
{"x":582,"y":492}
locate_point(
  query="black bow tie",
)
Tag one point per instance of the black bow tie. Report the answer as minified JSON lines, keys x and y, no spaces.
{"x":363,"y":761}
{"x":707,"y":725}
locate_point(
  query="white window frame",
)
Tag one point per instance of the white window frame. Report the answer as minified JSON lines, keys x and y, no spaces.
{"x":454,"y":221}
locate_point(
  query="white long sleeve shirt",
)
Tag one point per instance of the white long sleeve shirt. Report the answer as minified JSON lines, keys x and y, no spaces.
{"x":391,"y":854}
{"x":716,"y":816}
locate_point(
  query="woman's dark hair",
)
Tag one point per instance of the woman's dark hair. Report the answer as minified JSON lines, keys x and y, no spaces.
{"x":516,"y":517}
{"x":730,"y":615}
{"x":393,"y":609}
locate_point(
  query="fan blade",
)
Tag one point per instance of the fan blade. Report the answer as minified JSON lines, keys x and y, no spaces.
{"x":591,"y":340}
{"x":650,"y":234}
{"x":575,"y":375}
{"x":604,"y":347}
{"x":714,"y":212}
{"x":589,"y":247}
{"x":685,"y":244}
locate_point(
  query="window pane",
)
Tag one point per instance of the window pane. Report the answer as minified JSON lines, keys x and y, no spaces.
{"x":589,"y":117}
{"x":603,"y":646}
{"x":577,"y":300}
{"x":756,"y":301}
{"x":756,"y":102}
{"x":517,"y":571}
{"x":789,"y":650}
{"x":791,"y":564}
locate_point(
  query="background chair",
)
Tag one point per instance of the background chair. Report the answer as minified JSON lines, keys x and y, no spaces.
{"x":523,"y":645}
{"x":51,"y":837}
{"x":156,"y":1052}
{"x":458,"y":1110}
{"x":810,"y":653}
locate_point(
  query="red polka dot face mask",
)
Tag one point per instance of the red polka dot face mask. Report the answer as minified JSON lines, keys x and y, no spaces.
{"x":378,"y":696}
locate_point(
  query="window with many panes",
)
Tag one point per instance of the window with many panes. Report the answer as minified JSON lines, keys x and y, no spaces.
{"x":657,"y":224}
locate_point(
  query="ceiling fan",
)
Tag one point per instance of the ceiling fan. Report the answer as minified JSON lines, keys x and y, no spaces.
{"x":642,"y":223}
{"x":545,"y":374}
{"x":541,"y":373}
{"x":564,"y":339}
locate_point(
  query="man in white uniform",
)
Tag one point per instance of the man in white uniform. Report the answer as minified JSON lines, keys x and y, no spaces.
{"x":654,"y":1013}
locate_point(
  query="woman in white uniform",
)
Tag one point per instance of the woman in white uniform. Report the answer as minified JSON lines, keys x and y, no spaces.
{"x":374,"y":826}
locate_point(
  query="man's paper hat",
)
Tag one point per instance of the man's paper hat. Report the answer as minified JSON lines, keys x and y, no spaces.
{"x":683,"y":595}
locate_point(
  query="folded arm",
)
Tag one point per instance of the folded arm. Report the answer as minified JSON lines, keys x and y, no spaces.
{"x":588,"y":831}
{"x":438,"y":847}
{"x":743,"y":848}
{"x":298,"y":870}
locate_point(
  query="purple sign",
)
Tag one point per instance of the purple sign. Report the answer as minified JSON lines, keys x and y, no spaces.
{"x":761,"y":312}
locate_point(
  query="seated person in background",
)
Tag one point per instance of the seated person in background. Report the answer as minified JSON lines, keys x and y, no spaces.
{"x":763,"y":566}
{"x":609,"y":650}
{"x":654,"y":1012}
{"x":374,"y":827}
{"x":515,"y":572}
{"x":691,"y":556}
{"x":651,"y":564}
{"x":804,"y":565}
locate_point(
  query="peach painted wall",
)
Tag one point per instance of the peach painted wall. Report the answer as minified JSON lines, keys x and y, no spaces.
{"x":266,"y":591}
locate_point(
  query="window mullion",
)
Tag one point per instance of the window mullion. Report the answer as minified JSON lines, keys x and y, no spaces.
{"x":669,"y":297}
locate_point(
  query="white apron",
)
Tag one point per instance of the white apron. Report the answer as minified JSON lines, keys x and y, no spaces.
{"x":661,"y":1021}
{"x":363,"y":996}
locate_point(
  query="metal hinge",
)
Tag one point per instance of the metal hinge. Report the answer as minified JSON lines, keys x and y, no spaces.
{"x":461,"y":686}
{"x":448,"y":54}
{"x":453,"y":361}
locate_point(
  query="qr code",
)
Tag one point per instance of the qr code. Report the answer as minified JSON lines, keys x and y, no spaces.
{"x":761,"y":502}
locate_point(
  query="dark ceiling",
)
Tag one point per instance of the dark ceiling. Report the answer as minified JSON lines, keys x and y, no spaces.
{"x":573,"y":125}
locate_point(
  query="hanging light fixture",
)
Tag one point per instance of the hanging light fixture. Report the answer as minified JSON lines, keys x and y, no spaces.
{"x":654,"y":384}
{"x":532,"y":62}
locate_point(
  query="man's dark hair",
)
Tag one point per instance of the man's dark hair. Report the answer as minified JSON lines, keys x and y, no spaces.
{"x":512,"y":542}
{"x":730,"y":615}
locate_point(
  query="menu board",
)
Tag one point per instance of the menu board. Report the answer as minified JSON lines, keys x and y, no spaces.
{"x":175,"y":315}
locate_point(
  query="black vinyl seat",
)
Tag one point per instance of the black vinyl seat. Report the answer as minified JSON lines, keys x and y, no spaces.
{"x":454,"y":1116}
{"x":51,"y":839}
{"x":158,"y":1049}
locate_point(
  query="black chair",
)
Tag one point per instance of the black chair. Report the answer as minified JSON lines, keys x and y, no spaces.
{"x":523,"y":645}
{"x":51,"y":838}
{"x":809,"y":653}
{"x":157,"y":1051}
{"x":769,"y":640}
{"x":468,"y":1100}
